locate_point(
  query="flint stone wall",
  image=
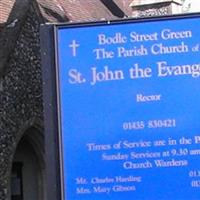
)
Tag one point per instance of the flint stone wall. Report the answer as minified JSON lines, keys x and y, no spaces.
{"x":20,"y":96}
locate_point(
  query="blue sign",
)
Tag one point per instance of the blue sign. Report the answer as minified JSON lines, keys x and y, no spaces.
{"x":129,"y":96}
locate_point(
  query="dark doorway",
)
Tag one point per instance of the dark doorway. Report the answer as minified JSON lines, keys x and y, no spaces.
{"x":27,"y":179}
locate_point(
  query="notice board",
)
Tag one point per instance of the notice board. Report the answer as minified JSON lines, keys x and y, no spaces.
{"x":128,"y":103}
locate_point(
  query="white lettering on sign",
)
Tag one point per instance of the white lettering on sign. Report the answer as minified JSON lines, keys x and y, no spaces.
{"x":136,"y":37}
{"x":168,"y":34}
{"x":118,"y":38}
{"x":160,"y":48}
{"x":135,"y":51}
{"x":146,"y":98}
{"x":106,"y":75}
{"x":137,"y":72}
{"x":166,"y":70}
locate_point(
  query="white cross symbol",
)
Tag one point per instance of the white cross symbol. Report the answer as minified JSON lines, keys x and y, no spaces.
{"x":74,"y":47}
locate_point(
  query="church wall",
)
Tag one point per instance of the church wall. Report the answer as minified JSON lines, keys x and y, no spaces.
{"x":20,"y":96}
